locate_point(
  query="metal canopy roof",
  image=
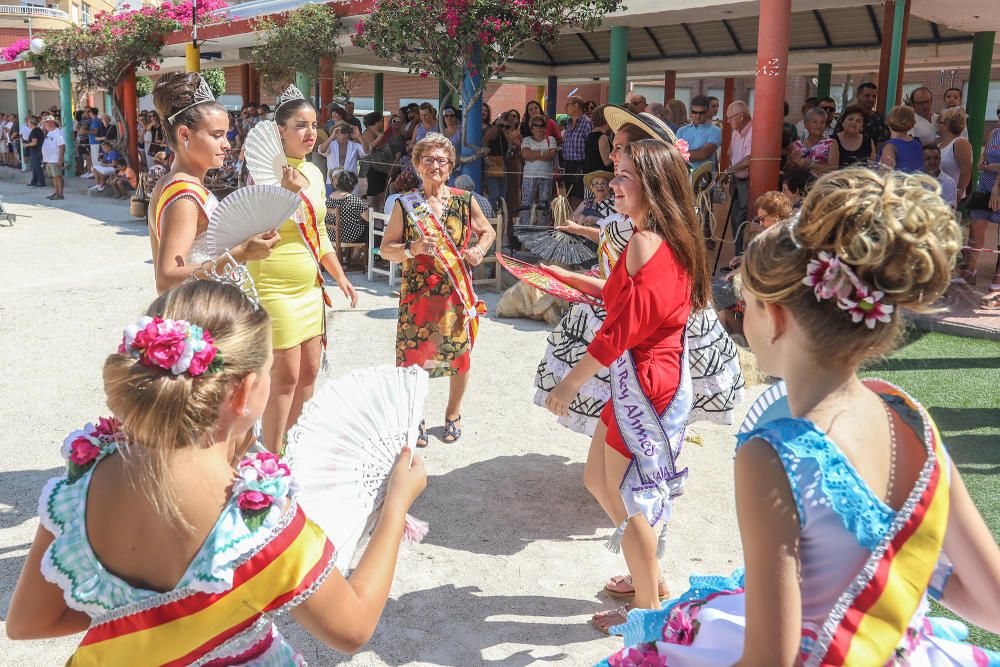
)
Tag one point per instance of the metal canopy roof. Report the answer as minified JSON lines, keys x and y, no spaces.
{"x":840,"y":28}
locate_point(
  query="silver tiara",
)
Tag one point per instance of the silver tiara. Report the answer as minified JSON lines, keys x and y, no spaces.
{"x":227,"y":270}
{"x":289,"y":94}
{"x":201,"y":95}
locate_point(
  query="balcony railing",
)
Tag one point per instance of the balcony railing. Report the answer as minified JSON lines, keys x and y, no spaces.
{"x":30,"y":11}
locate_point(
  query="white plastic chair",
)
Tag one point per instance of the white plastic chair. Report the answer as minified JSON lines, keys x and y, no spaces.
{"x":377,"y":224}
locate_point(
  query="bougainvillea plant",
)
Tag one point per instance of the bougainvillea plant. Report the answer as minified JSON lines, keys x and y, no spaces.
{"x":100,"y":54}
{"x":11,"y":52}
{"x":295,"y":41}
{"x":443,"y":38}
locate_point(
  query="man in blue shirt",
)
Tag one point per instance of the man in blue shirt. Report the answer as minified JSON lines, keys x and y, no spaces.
{"x":95,"y":141}
{"x":105,"y":166}
{"x":702,"y":136}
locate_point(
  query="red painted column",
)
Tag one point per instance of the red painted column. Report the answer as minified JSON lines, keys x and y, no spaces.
{"x":325,"y":87}
{"x":131,"y":117}
{"x":669,"y":85}
{"x":728,"y":97}
{"x":245,"y":82}
{"x":769,"y":102}
{"x":898,"y":97}
{"x":888,"y":18}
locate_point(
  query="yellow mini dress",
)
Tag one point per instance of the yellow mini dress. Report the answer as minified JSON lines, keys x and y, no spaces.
{"x":286,"y":280}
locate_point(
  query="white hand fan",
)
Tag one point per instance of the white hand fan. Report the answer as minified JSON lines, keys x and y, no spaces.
{"x":247,"y":212}
{"x":345,"y":444}
{"x":265,"y":156}
{"x":771,"y":405}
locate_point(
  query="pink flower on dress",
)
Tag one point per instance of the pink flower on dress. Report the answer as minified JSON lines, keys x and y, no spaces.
{"x":267,"y":465}
{"x":867,"y":307}
{"x":254,"y":501}
{"x":108,"y":428}
{"x":680,"y":628}
{"x":637,"y":657}
{"x":83,"y":451}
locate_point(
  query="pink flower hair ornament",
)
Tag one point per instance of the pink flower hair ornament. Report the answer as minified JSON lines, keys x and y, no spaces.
{"x":174,"y":345}
{"x":683,"y":148}
{"x":831,"y":278}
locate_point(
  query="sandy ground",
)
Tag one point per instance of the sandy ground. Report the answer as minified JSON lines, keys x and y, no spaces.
{"x":513,"y":565}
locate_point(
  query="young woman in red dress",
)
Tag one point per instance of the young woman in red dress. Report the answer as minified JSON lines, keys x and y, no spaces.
{"x":648,"y":299}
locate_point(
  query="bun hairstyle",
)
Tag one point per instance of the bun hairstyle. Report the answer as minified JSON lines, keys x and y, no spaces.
{"x":288,"y":109}
{"x":891,"y":228}
{"x":666,"y":187}
{"x":162,"y":412}
{"x":174,"y":92}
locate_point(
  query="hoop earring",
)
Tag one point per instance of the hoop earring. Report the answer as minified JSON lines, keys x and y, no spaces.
{"x":187,"y":144}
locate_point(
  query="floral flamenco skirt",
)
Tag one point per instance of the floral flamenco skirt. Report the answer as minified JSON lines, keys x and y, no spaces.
{"x":705,"y":628}
{"x":714,"y":364}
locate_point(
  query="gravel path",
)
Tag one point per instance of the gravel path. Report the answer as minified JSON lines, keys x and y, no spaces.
{"x":513,"y":564}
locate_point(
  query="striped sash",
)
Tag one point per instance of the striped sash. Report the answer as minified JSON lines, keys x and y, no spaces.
{"x":175,"y":190}
{"x":178,"y":632}
{"x":878,"y":606}
{"x":449,"y":257}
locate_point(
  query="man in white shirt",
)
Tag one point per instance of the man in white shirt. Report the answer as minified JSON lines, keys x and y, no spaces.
{"x":932,"y":167}
{"x":6,"y":142}
{"x":738,"y":115}
{"x":925,"y":130}
{"x":53,"y":154}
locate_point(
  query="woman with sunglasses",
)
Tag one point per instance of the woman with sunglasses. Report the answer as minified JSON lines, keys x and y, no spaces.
{"x":532,"y":110}
{"x":539,"y":151}
{"x":452,"y":126}
{"x":989,"y":167}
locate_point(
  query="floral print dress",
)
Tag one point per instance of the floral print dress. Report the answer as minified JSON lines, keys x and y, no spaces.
{"x":432,"y":331}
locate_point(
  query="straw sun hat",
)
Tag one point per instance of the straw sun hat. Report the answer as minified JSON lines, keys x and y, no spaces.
{"x":656,"y":129}
{"x":587,"y":178}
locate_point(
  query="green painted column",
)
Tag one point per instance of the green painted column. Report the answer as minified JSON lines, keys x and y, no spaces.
{"x":895,"y":55}
{"x":109,"y":104}
{"x":379,"y":93}
{"x":823,"y":80}
{"x":979,"y":88}
{"x":22,"y":109}
{"x":66,"y":104}
{"x":304,"y":83}
{"x":618,"y":73}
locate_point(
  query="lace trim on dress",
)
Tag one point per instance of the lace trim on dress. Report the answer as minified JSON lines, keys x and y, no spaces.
{"x":796,"y":441}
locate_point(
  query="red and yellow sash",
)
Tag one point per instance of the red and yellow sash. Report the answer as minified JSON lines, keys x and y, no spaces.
{"x":308,"y":224}
{"x":449,"y":257}
{"x":182,"y":631}
{"x":172,"y":192}
{"x":879,"y":614}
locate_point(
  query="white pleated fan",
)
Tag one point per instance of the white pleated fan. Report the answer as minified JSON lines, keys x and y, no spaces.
{"x":247,"y":212}
{"x":344,"y":446}
{"x":264,"y":154}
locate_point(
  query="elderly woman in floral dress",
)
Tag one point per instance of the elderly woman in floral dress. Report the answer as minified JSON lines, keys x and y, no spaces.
{"x":438,"y":233}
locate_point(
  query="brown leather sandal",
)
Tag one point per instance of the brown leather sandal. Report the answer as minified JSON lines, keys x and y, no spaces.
{"x":620,"y":587}
{"x":605,"y":620}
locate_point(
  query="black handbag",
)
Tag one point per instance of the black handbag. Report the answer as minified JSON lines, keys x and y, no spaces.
{"x":978,"y":201}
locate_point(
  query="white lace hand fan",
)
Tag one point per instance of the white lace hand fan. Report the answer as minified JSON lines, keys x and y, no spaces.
{"x":344,"y":446}
{"x":264,"y":154}
{"x":247,"y":212}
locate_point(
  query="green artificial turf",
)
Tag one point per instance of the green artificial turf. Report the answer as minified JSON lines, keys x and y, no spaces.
{"x":958,"y":380}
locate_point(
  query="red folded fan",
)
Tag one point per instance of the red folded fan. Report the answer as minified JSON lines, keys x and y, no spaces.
{"x":545,"y":280}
